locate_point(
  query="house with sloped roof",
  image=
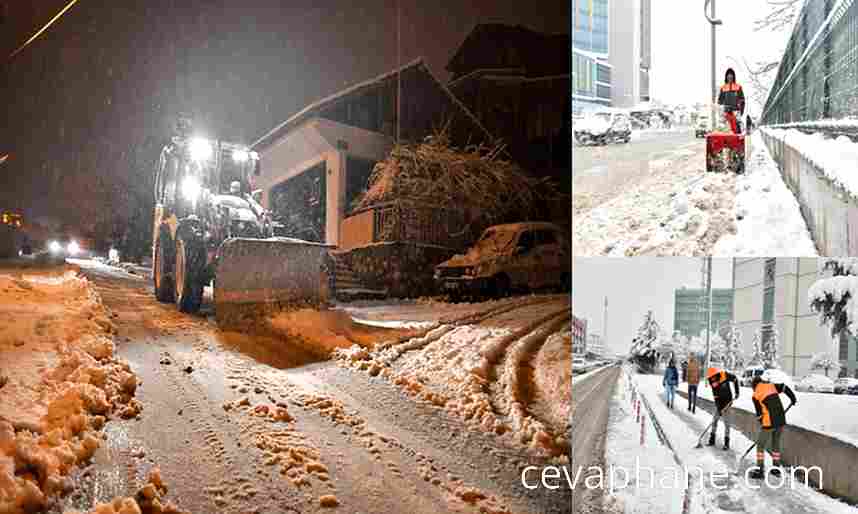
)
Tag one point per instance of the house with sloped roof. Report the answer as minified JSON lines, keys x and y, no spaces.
{"x":315,"y":164}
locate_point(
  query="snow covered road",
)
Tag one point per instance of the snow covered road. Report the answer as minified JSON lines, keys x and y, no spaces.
{"x":716,"y":486}
{"x":218,"y":407}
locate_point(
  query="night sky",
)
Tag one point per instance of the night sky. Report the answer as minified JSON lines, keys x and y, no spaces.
{"x":89,"y":104}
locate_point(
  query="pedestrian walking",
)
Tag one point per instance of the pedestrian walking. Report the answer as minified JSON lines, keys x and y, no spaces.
{"x":732,"y":100}
{"x":670,"y":381}
{"x":772,"y":418}
{"x":684,"y":369}
{"x":692,"y":376}
{"x":719,"y":381}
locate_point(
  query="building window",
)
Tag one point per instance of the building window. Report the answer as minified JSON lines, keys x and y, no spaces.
{"x":769,"y":291}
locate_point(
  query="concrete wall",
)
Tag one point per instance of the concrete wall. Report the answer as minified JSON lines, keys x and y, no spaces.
{"x":830,"y":212}
{"x":837,"y":459}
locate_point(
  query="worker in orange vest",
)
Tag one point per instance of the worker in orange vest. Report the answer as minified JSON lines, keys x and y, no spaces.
{"x":720,"y":380}
{"x":732,"y":99}
{"x":772,"y":417}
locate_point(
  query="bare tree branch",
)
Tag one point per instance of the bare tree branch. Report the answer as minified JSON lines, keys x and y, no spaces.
{"x":782,"y":14}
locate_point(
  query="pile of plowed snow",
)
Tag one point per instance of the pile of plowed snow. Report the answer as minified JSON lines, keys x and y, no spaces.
{"x":148,"y":500}
{"x":61,"y":383}
{"x":553,"y":374}
{"x":452,"y":367}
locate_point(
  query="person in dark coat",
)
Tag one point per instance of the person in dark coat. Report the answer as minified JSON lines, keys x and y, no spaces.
{"x":772,"y":417}
{"x":670,"y":381}
{"x":692,"y":376}
{"x":732,"y":99}
{"x":719,"y":381}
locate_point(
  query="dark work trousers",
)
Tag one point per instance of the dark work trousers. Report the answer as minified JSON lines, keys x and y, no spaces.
{"x":692,"y":397}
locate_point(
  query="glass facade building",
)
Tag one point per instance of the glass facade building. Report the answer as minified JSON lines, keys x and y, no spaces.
{"x":591,"y":73}
{"x":689,"y":310}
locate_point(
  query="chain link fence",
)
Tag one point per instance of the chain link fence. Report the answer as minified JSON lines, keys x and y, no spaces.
{"x":818,"y":75}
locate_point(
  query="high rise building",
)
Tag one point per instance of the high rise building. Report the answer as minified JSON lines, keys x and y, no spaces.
{"x":591,"y":69}
{"x":630,"y":51}
{"x":689,"y":310}
{"x":770,"y":301}
{"x":579,"y":335}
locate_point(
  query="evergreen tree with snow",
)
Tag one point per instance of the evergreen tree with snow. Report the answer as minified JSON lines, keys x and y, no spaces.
{"x":833,"y":295}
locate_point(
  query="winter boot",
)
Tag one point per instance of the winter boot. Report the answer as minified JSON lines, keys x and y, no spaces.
{"x":726,"y":443}
{"x":711,"y":439}
{"x":757,"y":473}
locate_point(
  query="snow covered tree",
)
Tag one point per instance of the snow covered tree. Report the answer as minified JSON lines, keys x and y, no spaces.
{"x":755,"y":356}
{"x":644,"y":351}
{"x":833,"y":295}
{"x":826,"y":362}
{"x":771,"y":350}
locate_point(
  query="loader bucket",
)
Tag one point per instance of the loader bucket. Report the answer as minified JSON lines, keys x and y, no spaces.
{"x":257,"y":276}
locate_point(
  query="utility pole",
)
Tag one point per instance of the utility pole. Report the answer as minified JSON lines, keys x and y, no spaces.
{"x":713,"y":21}
{"x":708,"y":307}
{"x":399,"y":67}
{"x":605,"y":326}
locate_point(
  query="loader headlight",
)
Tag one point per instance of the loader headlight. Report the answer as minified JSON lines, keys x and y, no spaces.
{"x":191,"y":188}
{"x":55,"y":247}
{"x":240,"y":156}
{"x":73,"y":248}
{"x":201,"y":150}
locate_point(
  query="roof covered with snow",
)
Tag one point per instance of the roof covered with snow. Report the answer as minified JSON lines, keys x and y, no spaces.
{"x":316,"y":107}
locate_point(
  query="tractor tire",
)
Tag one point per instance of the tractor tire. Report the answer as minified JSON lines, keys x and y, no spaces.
{"x":501,"y":286}
{"x":190,"y":265}
{"x":163,"y":277}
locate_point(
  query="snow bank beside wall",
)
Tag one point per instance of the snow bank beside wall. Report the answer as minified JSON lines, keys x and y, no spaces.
{"x":59,"y":379}
{"x":821,"y":174}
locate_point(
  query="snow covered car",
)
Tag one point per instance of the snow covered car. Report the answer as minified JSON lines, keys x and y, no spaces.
{"x":842,"y":385}
{"x":702,"y":128}
{"x":815,"y":384}
{"x":603,"y":127}
{"x":513,"y":257}
{"x":776,"y":376}
{"x":749,"y":373}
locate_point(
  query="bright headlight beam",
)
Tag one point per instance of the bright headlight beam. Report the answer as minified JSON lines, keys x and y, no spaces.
{"x":73,"y":248}
{"x":54,"y":247}
{"x":240,"y":155}
{"x":201,"y":150}
{"x":191,"y":188}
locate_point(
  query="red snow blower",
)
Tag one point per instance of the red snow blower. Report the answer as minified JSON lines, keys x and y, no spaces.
{"x":725,"y":151}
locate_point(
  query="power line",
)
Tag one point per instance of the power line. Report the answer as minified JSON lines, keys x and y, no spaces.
{"x":44,"y":28}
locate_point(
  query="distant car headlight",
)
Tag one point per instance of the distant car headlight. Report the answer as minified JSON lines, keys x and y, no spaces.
{"x":191,"y":188}
{"x":73,"y":248}
{"x":55,"y":247}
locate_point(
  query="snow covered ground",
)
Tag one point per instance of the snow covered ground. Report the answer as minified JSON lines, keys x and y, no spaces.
{"x":768,"y":217}
{"x":715,"y":484}
{"x":834,"y":415}
{"x":677,"y":210}
{"x":60,"y":381}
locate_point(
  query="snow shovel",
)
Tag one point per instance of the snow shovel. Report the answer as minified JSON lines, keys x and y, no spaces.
{"x":700,"y":439}
{"x":739,"y":462}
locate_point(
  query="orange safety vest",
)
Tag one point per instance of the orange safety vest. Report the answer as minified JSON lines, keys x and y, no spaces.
{"x":763,"y":394}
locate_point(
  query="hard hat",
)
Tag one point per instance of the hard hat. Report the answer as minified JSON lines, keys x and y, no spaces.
{"x":711,"y":371}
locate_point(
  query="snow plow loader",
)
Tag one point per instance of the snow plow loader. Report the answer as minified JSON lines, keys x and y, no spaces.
{"x":210,"y":229}
{"x":725,"y":151}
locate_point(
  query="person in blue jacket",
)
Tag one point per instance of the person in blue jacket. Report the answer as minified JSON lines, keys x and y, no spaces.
{"x":670,"y":381}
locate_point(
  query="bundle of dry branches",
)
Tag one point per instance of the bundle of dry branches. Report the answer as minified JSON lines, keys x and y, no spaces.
{"x":435,"y":174}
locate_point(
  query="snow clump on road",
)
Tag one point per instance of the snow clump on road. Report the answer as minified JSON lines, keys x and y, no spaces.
{"x":64,"y":384}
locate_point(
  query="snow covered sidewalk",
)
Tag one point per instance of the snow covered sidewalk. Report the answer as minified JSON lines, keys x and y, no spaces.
{"x":768,"y":217}
{"x":714,"y":484}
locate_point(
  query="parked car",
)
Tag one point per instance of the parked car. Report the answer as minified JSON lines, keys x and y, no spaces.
{"x":815,"y":384}
{"x":853,"y":389}
{"x":702,"y":128}
{"x":841,"y":385}
{"x":749,"y":373}
{"x":604,"y":127}
{"x":508,"y":258}
{"x":776,"y":376}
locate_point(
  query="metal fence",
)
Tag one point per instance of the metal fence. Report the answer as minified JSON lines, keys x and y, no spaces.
{"x":818,"y":74}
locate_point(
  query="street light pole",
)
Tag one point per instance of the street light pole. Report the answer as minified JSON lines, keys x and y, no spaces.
{"x":713,"y":21}
{"x":708,"y":308}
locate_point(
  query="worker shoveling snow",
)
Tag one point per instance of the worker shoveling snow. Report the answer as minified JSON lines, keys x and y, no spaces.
{"x":60,"y":383}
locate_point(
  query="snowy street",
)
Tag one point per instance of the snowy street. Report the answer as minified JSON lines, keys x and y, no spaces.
{"x":591,"y":395}
{"x":717,"y":484}
{"x":438,"y":410}
{"x":601,"y":173}
{"x":669,"y":205}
